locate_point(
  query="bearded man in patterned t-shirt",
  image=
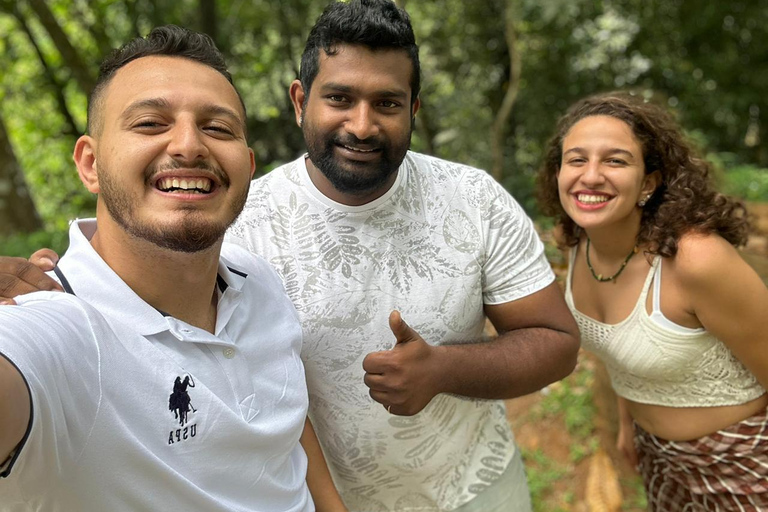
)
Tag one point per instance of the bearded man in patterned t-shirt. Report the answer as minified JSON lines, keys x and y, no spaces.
{"x":368,"y":236}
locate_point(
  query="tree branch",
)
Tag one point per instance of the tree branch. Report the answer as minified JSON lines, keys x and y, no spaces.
{"x":80,"y":71}
{"x":513,"y":87}
{"x":70,"y":126}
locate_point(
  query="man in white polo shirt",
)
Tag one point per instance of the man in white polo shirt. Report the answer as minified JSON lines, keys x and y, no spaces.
{"x":169,"y":376}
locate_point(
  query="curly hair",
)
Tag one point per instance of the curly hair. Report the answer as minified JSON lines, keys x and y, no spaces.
{"x":684,"y":202}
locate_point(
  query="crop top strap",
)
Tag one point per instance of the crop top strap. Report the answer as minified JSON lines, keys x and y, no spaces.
{"x":569,"y":276}
{"x":657,"y":285}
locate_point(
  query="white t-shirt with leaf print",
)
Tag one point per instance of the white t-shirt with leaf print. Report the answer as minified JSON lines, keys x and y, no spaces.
{"x":442,"y":242}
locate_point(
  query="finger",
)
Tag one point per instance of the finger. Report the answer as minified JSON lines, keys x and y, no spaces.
{"x":44,"y":259}
{"x":381,"y":397}
{"x":376,"y":382}
{"x":7,"y":302}
{"x":633,"y":458}
{"x":375,"y":362}
{"x":402,"y":331}
{"x":18,"y":276}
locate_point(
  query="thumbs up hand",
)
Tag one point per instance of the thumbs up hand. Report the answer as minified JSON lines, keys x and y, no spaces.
{"x":405,"y":378}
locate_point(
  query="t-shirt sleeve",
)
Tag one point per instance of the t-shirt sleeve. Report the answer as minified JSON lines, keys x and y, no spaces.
{"x":516,"y":265}
{"x":52,"y":345}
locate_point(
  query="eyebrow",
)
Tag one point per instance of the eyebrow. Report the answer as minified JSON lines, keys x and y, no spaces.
{"x":611,"y":151}
{"x":163,"y":104}
{"x":383,"y":93}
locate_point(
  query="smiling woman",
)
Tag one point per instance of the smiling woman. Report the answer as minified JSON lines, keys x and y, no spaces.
{"x":687,"y":350}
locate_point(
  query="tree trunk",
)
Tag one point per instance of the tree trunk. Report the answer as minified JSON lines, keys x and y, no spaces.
{"x":70,"y":126}
{"x":209,"y":22}
{"x":513,"y":87}
{"x":17,"y":211}
{"x":72,"y":59}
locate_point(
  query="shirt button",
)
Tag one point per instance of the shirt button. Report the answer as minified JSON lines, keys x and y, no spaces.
{"x":229,"y":353}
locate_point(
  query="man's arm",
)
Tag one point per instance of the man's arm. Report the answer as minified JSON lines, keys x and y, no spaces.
{"x":537,"y":345}
{"x":19,"y":276}
{"x":319,"y":481}
{"x":14,"y":408}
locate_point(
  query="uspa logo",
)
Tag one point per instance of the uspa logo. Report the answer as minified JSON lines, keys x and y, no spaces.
{"x":181,"y":404}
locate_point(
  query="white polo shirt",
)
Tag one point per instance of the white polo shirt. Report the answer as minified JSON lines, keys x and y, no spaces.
{"x":135,"y":410}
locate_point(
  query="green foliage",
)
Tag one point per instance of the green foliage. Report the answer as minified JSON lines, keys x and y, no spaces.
{"x":702,"y":58}
{"x":572,"y":397}
{"x":23,"y":245}
{"x":747,"y":182}
{"x":636,"y":500}
{"x":543,"y":473}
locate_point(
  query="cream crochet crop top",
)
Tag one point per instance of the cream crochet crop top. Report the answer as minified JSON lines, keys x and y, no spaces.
{"x":662,"y":363}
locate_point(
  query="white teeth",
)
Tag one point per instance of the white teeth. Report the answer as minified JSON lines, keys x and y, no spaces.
{"x":360,"y":150}
{"x":592,"y":199}
{"x":190,"y":185}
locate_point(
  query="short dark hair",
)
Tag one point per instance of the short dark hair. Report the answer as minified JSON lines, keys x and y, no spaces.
{"x":168,"y":40}
{"x":377,"y":24}
{"x":685,"y":200}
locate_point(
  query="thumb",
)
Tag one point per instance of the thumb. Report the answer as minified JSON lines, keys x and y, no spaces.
{"x":402,"y":331}
{"x":44,"y":259}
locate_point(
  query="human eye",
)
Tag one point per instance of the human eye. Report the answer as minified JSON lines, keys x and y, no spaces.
{"x":337,"y":99}
{"x":148,"y":124}
{"x":388,"y":104}
{"x":576,"y":161}
{"x":617,"y":162}
{"x":219,"y":130}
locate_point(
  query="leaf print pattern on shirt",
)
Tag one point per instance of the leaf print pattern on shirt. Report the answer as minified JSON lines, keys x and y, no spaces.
{"x":460,"y":233}
{"x":446,"y":239}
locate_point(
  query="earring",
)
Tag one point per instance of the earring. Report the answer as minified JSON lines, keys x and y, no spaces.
{"x":644,"y":200}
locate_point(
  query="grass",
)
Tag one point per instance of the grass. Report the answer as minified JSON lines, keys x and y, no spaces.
{"x":543,"y":473}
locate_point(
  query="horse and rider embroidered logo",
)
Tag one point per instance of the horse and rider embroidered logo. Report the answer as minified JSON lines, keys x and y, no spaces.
{"x":180,"y":404}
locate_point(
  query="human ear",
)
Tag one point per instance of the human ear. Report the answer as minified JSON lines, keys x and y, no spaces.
{"x":298,"y":97}
{"x":253,"y":162}
{"x":651,"y":182}
{"x":85,"y":160}
{"x":416,"y":106}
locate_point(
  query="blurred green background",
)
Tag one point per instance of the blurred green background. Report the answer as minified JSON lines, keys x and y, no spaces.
{"x":496,"y":75}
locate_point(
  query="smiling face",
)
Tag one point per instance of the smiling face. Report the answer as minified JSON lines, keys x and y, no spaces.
{"x":170,"y":162}
{"x":357,"y":121}
{"x":602,"y":174}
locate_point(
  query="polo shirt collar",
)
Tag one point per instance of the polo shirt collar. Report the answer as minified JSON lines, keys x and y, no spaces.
{"x":96,"y":283}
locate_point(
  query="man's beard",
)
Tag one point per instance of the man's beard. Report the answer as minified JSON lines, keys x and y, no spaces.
{"x":350,"y":177}
{"x":192,"y":234}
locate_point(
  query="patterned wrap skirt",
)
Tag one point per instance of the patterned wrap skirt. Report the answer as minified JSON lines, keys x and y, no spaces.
{"x":723,"y":471}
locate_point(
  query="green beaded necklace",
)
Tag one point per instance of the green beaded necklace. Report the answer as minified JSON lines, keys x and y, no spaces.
{"x":599,"y":277}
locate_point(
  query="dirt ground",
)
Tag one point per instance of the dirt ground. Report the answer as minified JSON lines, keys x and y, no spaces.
{"x":602,"y":481}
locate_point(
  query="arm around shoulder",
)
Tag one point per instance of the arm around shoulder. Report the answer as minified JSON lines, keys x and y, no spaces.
{"x":15,"y":408}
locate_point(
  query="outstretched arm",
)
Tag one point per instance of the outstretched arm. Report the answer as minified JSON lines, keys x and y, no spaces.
{"x":19,"y":276}
{"x":319,"y":481}
{"x":14,"y":408}
{"x":537,"y":344}
{"x":625,"y":440}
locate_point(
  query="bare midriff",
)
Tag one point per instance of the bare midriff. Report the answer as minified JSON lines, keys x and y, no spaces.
{"x":688,"y":423}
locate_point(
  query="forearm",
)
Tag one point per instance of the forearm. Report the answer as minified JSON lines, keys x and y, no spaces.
{"x":625,"y":417}
{"x":513,"y":364}
{"x":319,"y":480}
{"x":14,"y":408}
